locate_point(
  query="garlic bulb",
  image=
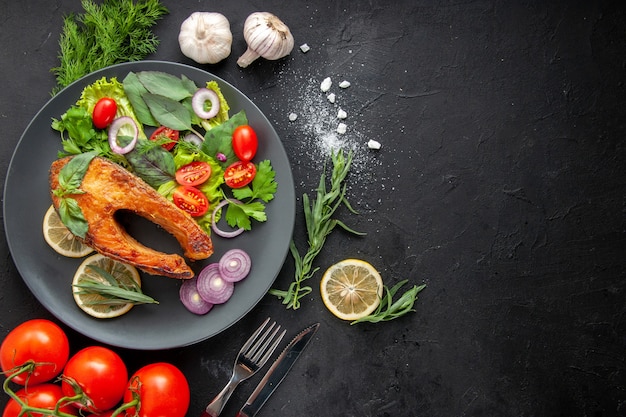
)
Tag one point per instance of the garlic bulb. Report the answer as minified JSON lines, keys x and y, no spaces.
{"x":205,"y":37}
{"x":267,"y":36}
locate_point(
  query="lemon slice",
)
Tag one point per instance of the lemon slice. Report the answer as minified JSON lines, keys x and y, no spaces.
{"x":60,"y":238}
{"x":90,"y":303}
{"x":351,"y":289}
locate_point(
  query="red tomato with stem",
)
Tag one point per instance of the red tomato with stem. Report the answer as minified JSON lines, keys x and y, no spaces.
{"x":100,"y":374}
{"x":104,"y":112}
{"x":40,"y":341}
{"x":161,"y":389}
{"x":194,"y":173}
{"x":165,"y":132}
{"x":42,"y":396}
{"x":245,"y":143}
{"x":190,"y":199}
{"x":239,"y":174}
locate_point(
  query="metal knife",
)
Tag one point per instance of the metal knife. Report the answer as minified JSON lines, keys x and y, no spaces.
{"x":277,"y":372}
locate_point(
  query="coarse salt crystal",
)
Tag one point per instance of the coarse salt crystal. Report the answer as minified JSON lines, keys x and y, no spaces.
{"x":326,"y":84}
{"x":331,"y":97}
{"x":344,"y":84}
{"x":372,"y":144}
{"x":341,"y":128}
{"x":341,"y":114}
{"x":292,"y":117}
{"x":305,"y":48}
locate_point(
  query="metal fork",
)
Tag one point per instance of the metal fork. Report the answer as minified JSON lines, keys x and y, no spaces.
{"x":252,"y":356}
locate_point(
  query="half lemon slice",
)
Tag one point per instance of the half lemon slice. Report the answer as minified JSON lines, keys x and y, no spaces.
{"x":60,"y":238}
{"x":351,"y":289}
{"x":95,"y":304}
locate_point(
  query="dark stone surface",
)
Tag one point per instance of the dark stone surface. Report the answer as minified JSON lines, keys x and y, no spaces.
{"x":500,"y":184}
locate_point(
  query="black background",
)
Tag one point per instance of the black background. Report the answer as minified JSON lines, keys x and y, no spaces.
{"x":500,"y":184}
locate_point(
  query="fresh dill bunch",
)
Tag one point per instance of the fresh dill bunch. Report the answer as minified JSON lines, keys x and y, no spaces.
{"x":318,"y":215}
{"x":104,"y":34}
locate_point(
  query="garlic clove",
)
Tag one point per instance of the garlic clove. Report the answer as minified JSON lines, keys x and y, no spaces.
{"x":205,"y":37}
{"x":267,"y":36}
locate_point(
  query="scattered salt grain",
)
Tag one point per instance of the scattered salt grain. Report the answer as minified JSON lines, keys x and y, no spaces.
{"x":341,"y":128}
{"x":292,"y":117}
{"x":344,"y":84}
{"x":372,"y":144}
{"x":305,"y":48}
{"x":341,"y":114}
{"x":326,"y":84}
{"x":331,"y":97}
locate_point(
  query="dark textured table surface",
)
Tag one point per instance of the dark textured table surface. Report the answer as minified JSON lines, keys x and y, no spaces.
{"x":501,"y":184}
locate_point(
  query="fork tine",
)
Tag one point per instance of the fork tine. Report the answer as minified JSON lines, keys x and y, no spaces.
{"x":253,"y":337}
{"x":271,"y":349}
{"x":261,"y":343}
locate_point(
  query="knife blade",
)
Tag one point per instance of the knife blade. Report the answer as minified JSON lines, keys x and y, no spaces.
{"x":277,"y":372}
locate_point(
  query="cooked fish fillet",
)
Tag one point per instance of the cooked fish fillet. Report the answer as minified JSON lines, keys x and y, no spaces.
{"x":108,"y":188}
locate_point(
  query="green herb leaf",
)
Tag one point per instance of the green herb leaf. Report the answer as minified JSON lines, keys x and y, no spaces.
{"x":72,"y":173}
{"x":72,"y":217}
{"x":219,"y":138}
{"x":164,"y":84}
{"x":134,"y":89}
{"x":262,"y":186}
{"x":152,"y":163}
{"x":318,"y":215}
{"x":388,"y":309}
{"x":168,"y":112}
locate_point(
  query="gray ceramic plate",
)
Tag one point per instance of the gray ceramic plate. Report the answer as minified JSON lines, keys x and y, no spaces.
{"x":48,"y":275}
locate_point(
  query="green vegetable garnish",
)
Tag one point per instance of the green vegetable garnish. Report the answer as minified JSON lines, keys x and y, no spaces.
{"x":70,"y":178}
{"x":319,"y":220}
{"x":115,"y":292}
{"x":112,"y":32}
{"x":389,"y":309}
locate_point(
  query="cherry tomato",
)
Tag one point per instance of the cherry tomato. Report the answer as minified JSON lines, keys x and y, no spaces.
{"x":108,"y":413}
{"x":194,"y":173}
{"x":190,"y":199}
{"x":104,"y":112}
{"x":245,"y":143}
{"x":165,"y":132}
{"x":162,"y":389}
{"x":239,"y":174}
{"x":37,"y":340}
{"x":44,"y":396}
{"x":101,"y":375}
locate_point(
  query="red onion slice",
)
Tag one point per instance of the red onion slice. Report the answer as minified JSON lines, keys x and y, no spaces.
{"x":114,"y":130}
{"x":202,"y":96}
{"x":234,"y":265}
{"x":214,"y":226}
{"x":191,"y":299}
{"x":212,"y":287}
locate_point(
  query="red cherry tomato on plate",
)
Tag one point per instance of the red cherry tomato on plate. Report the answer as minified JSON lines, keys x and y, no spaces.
{"x":194,"y":173}
{"x":37,"y":340}
{"x":245,"y":143}
{"x":239,"y":174}
{"x":162,"y":390}
{"x":44,"y":396}
{"x":165,"y":132}
{"x":104,"y":112}
{"x":101,"y":375}
{"x":190,"y":199}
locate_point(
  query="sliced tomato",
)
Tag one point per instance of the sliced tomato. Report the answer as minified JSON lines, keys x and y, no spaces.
{"x":239,"y":174}
{"x":245,"y":143}
{"x":190,"y":199}
{"x":194,"y":173}
{"x":165,"y":132}
{"x":104,"y":112}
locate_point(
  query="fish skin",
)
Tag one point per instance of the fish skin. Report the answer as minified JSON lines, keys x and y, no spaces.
{"x":108,"y":187}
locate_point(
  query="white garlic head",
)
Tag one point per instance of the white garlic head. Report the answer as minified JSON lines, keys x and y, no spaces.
{"x":267,"y":36}
{"x":205,"y":37}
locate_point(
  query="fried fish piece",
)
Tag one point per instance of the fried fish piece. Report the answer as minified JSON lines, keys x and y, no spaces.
{"x":108,"y":187}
